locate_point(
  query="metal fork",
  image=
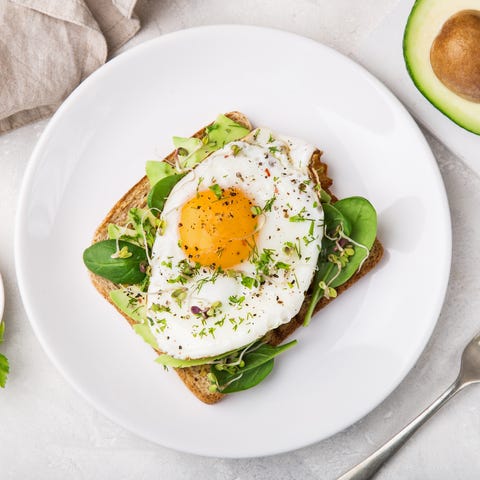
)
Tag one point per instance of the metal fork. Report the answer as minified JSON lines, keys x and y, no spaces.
{"x":469,"y":374}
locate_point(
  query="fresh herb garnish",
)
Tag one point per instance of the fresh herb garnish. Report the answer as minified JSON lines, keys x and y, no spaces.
{"x":236,"y":300}
{"x":245,"y":368}
{"x":300,"y":216}
{"x":179,"y":295}
{"x":268,"y":204}
{"x":235,"y":149}
{"x":217,"y":190}
{"x":248,"y":282}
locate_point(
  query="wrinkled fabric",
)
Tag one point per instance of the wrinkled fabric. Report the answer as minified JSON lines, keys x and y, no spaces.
{"x":47,"y":47}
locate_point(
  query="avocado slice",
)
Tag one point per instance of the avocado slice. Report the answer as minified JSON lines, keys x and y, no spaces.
{"x":136,"y":310}
{"x":435,"y":29}
{"x":193,"y":150}
{"x":125,"y":300}
{"x":156,"y":170}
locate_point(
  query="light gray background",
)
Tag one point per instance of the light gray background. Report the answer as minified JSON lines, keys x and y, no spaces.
{"x":47,"y":431}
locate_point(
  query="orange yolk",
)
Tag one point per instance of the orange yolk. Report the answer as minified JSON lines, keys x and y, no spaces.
{"x":217,"y":232}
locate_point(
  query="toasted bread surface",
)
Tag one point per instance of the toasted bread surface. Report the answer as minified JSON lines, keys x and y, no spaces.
{"x":195,"y":378}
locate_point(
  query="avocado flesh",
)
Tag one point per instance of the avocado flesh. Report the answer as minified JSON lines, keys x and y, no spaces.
{"x":424,"y":25}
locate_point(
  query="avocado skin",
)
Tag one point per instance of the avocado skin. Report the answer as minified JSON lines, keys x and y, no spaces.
{"x":409,"y":44}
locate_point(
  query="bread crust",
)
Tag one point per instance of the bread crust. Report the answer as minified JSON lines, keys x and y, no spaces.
{"x":195,"y":378}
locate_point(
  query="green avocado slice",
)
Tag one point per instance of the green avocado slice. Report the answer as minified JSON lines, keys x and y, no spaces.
{"x":423,"y":26}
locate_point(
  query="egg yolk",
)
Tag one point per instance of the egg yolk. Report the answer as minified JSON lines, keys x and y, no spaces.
{"x":217,"y":228}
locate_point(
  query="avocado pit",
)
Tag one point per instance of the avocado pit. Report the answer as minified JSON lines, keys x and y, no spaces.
{"x":455,"y":54}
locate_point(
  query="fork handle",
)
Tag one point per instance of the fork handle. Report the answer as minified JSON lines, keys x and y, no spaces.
{"x":369,"y":467}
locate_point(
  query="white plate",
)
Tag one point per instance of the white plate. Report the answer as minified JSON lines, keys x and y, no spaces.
{"x":354,"y":354}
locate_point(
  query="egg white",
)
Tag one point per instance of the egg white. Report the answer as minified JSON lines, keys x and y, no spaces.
{"x":266,"y":166}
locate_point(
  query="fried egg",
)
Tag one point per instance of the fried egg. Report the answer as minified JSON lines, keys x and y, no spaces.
{"x":238,"y":249}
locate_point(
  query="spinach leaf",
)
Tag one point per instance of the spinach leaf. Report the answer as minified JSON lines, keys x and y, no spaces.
{"x":256,"y":364}
{"x":161,"y":190}
{"x":363,"y":219}
{"x":356,"y":219}
{"x":264,"y":353}
{"x":128,"y":270}
{"x":333,"y":218}
{"x":245,"y":380}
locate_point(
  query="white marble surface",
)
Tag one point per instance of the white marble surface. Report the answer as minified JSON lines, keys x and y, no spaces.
{"x":47,"y":431}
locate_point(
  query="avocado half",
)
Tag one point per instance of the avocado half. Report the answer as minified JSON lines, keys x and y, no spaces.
{"x":423,"y":29}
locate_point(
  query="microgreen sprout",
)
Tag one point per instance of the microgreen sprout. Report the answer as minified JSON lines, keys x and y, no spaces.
{"x":268,"y":204}
{"x":214,"y":309}
{"x":179,"y":295}
{"x":217,"y":190}
{"x":236,"y":300}
{"x":248,"y":282}
{"x":235,"y":149}
{"x":256,"y":210}
{"x":122,"y":253}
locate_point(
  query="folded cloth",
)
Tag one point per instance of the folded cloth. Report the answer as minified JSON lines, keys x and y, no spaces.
{"x":47,"y":47}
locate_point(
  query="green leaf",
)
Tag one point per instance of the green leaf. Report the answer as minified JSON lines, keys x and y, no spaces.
{"x":248,"y":379}
{"x":2,"y":330}
{"x":4,"y":370}
{"x":161,"y":190}
{"x":157,"y":170}
{"x":324,"y":197}
{"x":98,"y":259}
{"x":258,"y":363}
{"x":217,"y":190}
{"x":333,"y":217}
{"x":359,"y":221}
{"x":264,"y":353}
{"x":363,"y":219}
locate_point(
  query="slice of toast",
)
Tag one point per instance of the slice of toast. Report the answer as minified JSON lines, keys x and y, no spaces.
{"x":195,"y":378}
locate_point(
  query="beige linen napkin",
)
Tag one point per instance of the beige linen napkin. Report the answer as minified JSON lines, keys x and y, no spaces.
{"x":47,"y":47}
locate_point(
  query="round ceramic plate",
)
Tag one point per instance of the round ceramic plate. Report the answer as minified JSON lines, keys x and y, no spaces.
{"x":94,"y":149}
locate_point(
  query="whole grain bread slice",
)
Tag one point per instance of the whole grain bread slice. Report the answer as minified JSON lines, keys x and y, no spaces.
{"x":195,"y":378}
